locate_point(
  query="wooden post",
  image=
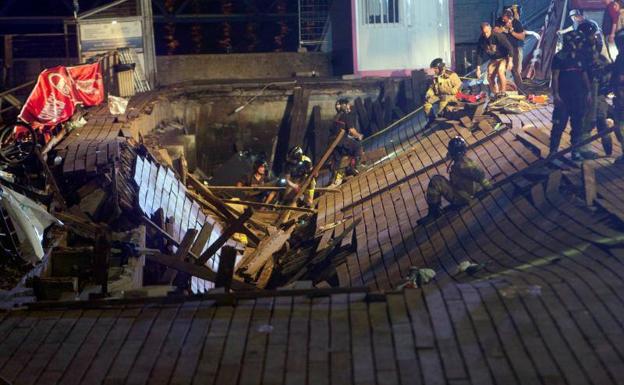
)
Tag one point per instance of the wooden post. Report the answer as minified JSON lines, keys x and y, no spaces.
{"x":226,"y":268}
{"x":101,"y":259}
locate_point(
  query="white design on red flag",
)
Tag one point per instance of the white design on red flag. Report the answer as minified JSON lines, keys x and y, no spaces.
{"x":52,"y":101}
{"x":88,"y":83}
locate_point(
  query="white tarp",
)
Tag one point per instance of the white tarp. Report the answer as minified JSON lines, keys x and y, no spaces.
{"x":30,"y":219}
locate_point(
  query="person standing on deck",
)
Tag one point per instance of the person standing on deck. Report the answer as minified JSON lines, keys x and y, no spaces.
{"x":515,"y":33}
{"x":617,"y":82}
{"x":570,"y":88}
{"x":499,"y":52}
{"x":351,"y":143}
{"x":466,"y":179}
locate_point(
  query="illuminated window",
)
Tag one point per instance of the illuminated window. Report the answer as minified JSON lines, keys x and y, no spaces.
{"x":380,"y":11}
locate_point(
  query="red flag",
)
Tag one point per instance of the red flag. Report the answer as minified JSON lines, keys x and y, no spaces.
{"x":88,"y":83}
{"x":51,"y":101}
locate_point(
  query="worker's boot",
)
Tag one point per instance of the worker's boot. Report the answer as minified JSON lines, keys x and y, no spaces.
{"x":433,"y":212}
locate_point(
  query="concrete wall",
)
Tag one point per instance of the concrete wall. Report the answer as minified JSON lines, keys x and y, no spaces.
{"x":182,"y":68}
{"x":219,"y":132}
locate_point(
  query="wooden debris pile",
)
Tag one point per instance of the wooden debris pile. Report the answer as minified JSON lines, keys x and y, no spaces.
{"x":295,"y":252}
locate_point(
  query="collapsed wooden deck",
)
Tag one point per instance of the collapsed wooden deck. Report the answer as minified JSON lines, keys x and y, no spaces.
{"x":541,"y":306}
{"x":390,"y":198}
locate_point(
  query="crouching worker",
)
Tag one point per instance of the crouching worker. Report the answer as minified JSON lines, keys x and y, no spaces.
{"x":446,"y":84}
{"x":258,"y":178}
{"x":466,"y":179}
{"x":298,"y":168}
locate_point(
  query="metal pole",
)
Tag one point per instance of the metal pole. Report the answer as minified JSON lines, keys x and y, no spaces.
{"x":65,"y":34}
{"x":299,"y":20}
{"x":149,"y":49}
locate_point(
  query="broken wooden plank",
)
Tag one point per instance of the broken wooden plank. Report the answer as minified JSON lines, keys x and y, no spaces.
{"x":542,"y":150}
{"x":202,"y":238}
{"x":235,"y":226}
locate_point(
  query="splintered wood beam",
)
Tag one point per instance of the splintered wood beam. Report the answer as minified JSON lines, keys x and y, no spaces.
{"x":221,"y":207}
{"x":234,"y":227}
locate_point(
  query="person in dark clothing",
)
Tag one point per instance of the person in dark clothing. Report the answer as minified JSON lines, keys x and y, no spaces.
{"x":599,"y":76}
{"x":258,"y":178}
{"x":465,"y":179}
{"x":499,"y":51}
{"x":514,"y":30}
{"x":350,"y":145}
{"x":570,"y":88}
{"x":617,"y":85}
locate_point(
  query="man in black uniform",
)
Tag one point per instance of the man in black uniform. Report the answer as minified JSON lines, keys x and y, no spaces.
{"x":499,"y":52}
{"x":514,"y":30}
{"x":599,"y":72}
{"x":617,"y":83}
{"x":570,"y":88}
{"x":350,"y":145}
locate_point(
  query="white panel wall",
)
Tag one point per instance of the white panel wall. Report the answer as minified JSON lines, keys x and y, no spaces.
{"x":422,"y":34}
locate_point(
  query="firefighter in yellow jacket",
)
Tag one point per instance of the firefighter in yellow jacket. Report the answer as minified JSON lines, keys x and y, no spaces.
{"x":446,"y":85}
{"x":298,"y":168}
{"x":466,"y":179}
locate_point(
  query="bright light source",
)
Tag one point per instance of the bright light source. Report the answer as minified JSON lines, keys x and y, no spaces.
{"x":114,"y":22}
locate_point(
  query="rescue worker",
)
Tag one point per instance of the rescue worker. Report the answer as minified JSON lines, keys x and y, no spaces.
{"x":258,"y":178}
{"x":446,"y":84}
{"x":499,"y":51}
{"x":617,"y":84}
{"x":466,"y":179}
{"x":298,"y":168}
{"x":351,"y":143}
{"x":597,"y":66}
{"x":570,"y":88}
{"x":515,"y":33}
{"x":578,"y":19}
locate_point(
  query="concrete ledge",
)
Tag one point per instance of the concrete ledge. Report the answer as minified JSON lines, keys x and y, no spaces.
{"x":181,"y":68}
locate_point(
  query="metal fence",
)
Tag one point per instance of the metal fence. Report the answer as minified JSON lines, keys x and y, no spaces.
{"x":313,"y":22}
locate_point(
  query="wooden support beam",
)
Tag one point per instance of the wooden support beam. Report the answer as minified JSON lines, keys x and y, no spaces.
{"x":226,"y":268}
{"x":268,"y":205}
{"x":234,"y":227}
{"x":101,"y":258}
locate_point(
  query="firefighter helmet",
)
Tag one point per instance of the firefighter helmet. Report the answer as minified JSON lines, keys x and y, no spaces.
{"x":457,"y":147}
